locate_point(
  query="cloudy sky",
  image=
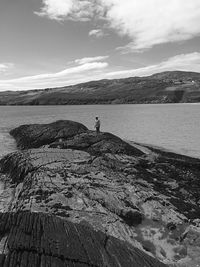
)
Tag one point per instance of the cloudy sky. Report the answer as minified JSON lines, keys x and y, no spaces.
{"x":50,"y":43}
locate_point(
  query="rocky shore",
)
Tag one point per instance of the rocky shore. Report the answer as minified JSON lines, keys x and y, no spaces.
{"x":69,"y":197}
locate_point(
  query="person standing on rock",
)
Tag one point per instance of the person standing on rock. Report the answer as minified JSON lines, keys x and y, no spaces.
{"x":97,"y":125}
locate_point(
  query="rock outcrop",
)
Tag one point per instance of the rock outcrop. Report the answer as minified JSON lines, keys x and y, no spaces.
{"x":94,"y":200}
{"x":34,"y":239}
{"x":36,"y":135}
{"x":98,"y":144}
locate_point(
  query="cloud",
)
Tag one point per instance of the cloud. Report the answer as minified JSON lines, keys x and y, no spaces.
{"x":98,"y":33}
{"x":184,"y":62}
{"x":145,"y":22}
{"x":153,"y":22}
{"x":85,"y":60}
{"x":81,"y":10}
{"x":76,"y":74}
{"x":56,"y":9}
{"x":4,"y":67}
{"x":99,"y":70}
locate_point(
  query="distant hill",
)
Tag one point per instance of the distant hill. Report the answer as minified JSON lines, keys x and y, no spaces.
{"x":165,"y":87}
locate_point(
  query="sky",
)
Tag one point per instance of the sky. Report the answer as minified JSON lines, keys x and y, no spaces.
{"x":53,"y":43}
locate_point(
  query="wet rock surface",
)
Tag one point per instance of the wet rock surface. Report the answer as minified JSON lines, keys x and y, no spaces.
{"x":143,"y":200}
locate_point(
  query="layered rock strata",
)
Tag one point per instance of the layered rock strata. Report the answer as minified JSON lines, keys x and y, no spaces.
{"x":71,"y":197}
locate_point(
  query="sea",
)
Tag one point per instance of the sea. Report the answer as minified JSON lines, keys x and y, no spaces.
{"x":175,"y":127}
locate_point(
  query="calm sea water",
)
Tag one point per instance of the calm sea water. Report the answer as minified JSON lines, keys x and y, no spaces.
{"x":172,"y":126}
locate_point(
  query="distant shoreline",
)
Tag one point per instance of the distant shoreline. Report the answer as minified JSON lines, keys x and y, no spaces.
{"x":160,"y":88}
{"x":101,"y":104}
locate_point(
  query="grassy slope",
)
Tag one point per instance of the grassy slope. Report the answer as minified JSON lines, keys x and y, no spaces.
{"x":166,"y":87}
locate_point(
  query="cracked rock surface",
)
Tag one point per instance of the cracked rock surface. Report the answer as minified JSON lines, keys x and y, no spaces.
{"x":38,"y":239}
{"x":75,"y":198}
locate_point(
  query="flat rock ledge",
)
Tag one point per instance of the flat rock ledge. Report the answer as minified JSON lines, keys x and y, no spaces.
{"x":70,"y":197}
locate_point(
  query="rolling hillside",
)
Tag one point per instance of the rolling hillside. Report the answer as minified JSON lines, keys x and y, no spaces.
{"x":165,"y":87}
